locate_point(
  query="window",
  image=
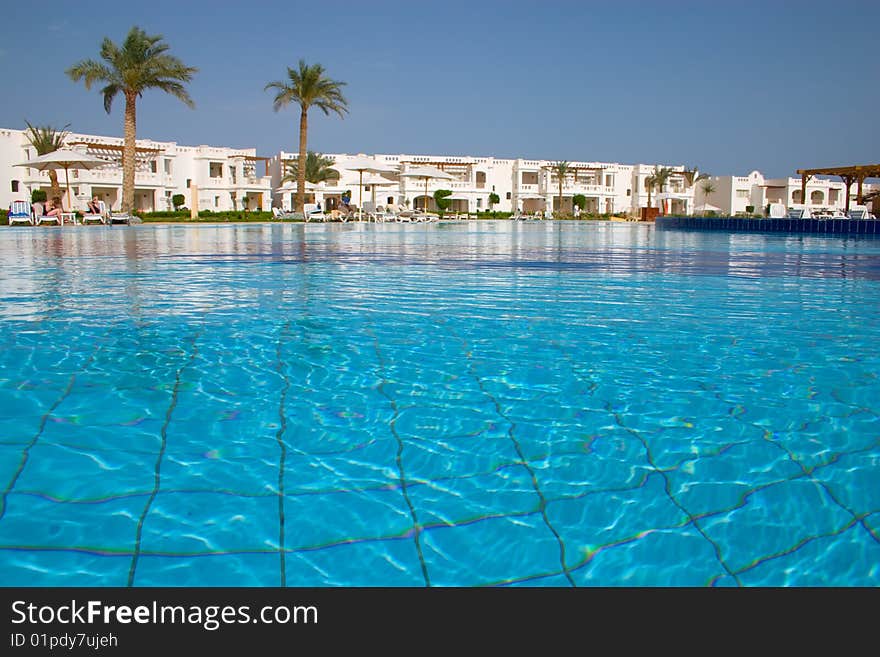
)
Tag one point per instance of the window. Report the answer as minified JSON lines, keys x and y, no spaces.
{"x":216,"y":201}
{"x":188,"y":182}
{"x":390,"y":200}
{"x":215,"y":169}
{"x":609,"y":181}
{"x":479,"y":203}
{"x":629,"y":192}
{"x":154,"y":166}
{"x":507,"y":196}
{"x":14,"y":185}
{"x":168,"y":167}
{"x":742,"y":193}
{"x":481,"y":179}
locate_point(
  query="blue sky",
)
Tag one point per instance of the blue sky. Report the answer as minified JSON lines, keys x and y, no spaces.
{"x":728,"y":87}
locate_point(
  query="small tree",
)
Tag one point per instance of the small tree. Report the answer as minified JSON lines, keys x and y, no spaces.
{"x":38,"y":196}
{"x":708,"y":188}
{"x":579,"y":200}
{"x":560,"y":168}
{"x":442,"y":202}
{"x":493,"y":199}
{"x":177,"y":201}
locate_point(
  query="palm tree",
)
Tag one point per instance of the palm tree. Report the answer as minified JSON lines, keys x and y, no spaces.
{"x":141,"y":63}
{"x":318,"y":169}
{"x":46,"y":139}
{"x":307,"y":86}
{"x":657,"y":180}
{"x":560,"y":168}
{"x":693,"y":176}
{"x":708,"y":188}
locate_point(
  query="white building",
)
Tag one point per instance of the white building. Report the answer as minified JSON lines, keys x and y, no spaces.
{"x":226,"y":178}
{"x":735,"y":194}
{"x":528,"y":185}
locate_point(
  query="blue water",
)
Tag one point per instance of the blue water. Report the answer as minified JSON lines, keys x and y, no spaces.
{"x":540,"y":404}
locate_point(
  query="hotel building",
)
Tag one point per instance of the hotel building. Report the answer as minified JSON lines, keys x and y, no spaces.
{"x":237,"y":178}
{"x":226,"y":178}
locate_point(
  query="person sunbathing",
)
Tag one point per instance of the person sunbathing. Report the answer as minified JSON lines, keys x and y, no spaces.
{"x":94,"y":206}
{"x":53,"y":208}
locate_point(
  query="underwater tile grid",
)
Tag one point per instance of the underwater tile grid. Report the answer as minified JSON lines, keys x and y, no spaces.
{"x":455,"y":404}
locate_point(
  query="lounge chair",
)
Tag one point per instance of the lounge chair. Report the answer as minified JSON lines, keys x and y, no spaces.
{"x":369,"y":211}
{"x":314,"y":212}
{"x":281,"y":215}
{"x":20,"y":213}
{"x":40,"y":215}
{"x":101,"y":217}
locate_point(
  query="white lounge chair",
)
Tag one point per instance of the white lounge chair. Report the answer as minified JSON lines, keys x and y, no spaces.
{"x":20,"y":213}
{"x":314,"y":212}
{"x":101,"y":217}
{"x":859,"y":212}
{"x":40,"y":215}
{"x":369,"y":211}
{"x":281,"y":215}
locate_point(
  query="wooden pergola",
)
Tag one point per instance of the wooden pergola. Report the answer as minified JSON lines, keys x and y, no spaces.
{"x":852,"y":174}
{"x":254,"y":159}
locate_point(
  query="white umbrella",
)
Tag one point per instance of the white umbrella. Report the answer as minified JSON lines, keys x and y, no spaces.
{"x":426,"y":173}
{"x":64,"y":158}
{"x":361,"y":165}
{"x":706,"y":207}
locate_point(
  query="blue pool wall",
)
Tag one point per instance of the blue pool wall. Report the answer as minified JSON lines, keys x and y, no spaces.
{"x":843,"y":226}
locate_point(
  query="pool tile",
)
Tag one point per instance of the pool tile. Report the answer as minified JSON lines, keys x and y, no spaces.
{"x":384,"y":563}
{"x":849,"y":559}
{"x":854,"y":480}
{"x":104,"y":526}
{"x":204,"y":523}
{"x":714,"y":483}
{"x":230,"y":570}
{"x":62,"y":568}
{"x":451,"y":501}
{"x":320,"y":519}
{"x":594,"y":521}
{"x":490,"y":552}
{"x":772,"y":521}
{"x":662,"y":557}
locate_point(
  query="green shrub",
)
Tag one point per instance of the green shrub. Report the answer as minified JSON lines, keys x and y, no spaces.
{"x":38,"y":196}
{"x":177,"y":201}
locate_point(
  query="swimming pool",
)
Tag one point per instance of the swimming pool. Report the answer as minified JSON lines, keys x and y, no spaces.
{"x":481,"y":403}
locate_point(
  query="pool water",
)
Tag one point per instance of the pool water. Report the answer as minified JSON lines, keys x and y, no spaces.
{"x":461,"y":404}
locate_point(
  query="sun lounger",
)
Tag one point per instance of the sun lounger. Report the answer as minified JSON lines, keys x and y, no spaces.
{"x":281,"y":215}
{"x":100,"y":217}
{"x":313,"y":212}
{"x":20,"y":213}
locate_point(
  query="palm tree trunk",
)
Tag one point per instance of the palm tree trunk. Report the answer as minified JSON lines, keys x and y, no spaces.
{"x":128,"y":153}
{"x":55,"y":188}
{"x":560,"y":196}
{"x":301,"y":165}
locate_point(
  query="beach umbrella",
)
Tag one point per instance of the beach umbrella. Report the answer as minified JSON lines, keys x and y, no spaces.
{"x":707,"y":207}
{"x":426,"y":173}
{"x":363,"y":165}
{"x":64,"y":158}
